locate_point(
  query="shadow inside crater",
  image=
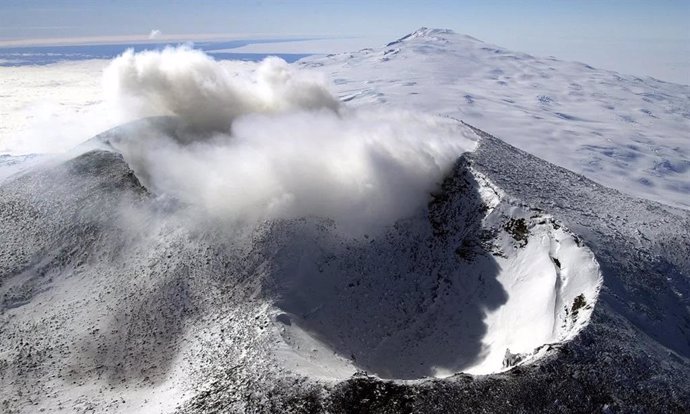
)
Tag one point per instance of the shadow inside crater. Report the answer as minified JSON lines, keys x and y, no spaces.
{"x":405,"y":304}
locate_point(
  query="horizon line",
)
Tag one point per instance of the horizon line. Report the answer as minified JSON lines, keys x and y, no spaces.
{"x":145,"y":38}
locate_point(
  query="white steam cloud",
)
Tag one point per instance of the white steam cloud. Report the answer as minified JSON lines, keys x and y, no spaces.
{"x":267,"y":141}
{"x":191,"y":85}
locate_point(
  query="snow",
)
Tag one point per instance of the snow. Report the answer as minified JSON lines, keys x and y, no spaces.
{"x":623,"y":131}
{"x":540,"y":296}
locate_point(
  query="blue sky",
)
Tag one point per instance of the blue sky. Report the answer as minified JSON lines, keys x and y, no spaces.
{"x":611,"y":33}
{"x":615,"y":18}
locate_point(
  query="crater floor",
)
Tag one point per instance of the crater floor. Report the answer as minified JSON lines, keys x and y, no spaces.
{"x":478,"y":284}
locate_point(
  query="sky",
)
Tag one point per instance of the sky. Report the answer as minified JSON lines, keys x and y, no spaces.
{"x":631,"y":36}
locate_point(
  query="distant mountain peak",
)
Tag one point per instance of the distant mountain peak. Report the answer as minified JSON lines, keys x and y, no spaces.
{"x":425,"y":33}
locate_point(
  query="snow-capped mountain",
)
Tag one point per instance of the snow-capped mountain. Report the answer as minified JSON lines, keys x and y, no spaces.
{"x":516,"y":285}
{"x":623,"y":131}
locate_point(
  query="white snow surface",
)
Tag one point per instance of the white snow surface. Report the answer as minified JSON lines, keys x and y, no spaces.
{"x":542,"y":280}
{"x":625,"y":132}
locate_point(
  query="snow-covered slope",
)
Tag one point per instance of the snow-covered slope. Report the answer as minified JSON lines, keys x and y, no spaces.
{"x":622,"y":131}
{"x":114,"y":300}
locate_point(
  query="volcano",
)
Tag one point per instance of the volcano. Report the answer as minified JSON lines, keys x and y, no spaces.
{"x":506,"y":284}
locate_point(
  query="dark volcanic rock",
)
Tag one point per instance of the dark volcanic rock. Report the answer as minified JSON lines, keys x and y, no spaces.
{"x":138,"y":282}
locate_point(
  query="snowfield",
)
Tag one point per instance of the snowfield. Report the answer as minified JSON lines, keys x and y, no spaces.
{"x":245,"y":241}
{"x":622,"y":131}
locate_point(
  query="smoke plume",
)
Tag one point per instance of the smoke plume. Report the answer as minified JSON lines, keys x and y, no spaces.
{"x":268,"y":140}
